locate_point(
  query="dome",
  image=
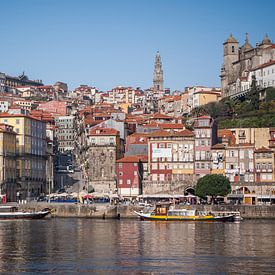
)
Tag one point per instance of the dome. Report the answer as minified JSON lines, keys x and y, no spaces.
{"x":266,"y":40}
{"x":231,"y":39}
{"x":246,"y":45}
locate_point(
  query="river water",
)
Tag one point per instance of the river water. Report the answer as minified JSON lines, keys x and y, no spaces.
{"x":88,"y":246}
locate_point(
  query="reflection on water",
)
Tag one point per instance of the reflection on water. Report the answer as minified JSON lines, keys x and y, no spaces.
{"x":75,"y":246}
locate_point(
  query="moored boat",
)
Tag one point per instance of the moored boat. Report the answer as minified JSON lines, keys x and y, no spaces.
{"x":164,"y":212}
{"x":12,"y":212}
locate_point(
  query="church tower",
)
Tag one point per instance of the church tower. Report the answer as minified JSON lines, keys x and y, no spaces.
{"x":230,"y":55}
{"x":158,"y":74}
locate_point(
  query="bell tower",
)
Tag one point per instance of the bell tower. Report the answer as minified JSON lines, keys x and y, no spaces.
{"x":230,"y":55}
{"x":158,"y":74}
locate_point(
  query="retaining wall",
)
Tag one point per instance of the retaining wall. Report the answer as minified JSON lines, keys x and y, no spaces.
{"x":106,"y":211}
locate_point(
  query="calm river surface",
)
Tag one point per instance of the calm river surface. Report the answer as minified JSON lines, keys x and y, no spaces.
{"x":87,"y":246}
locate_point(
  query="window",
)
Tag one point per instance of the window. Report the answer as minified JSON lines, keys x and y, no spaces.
{"x":135,"y":173}
{"x":120,"y":165}
{"x":241,"y":154}
{"x":128,"y":181}
{"x":17,"y":121}
{"x":233,"y":49}
{"x":120,"y":182}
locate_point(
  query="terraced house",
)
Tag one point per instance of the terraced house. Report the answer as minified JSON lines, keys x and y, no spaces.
{"x":170,"y":160}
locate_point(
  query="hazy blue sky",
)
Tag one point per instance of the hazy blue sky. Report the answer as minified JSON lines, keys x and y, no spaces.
{"x":108,"y":43}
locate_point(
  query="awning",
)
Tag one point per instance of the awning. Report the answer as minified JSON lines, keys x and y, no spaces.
{"x":235,"y":196}
{"x":266,"y":197}
{"x":88,"y":196}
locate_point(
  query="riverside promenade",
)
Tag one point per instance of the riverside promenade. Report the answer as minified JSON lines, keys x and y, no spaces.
{"x":107,"y":211}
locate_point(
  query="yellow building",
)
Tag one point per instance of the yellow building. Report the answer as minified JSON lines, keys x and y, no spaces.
{"x":257,"y":136}
{"x":8,"y":162}
{"x":124,"y":107}
{"x":30,"y":153}
{"x":202,"y":97}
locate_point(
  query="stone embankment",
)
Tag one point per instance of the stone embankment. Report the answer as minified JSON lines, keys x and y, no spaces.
{"x":78,"y":210}
{"x":105,"y":211}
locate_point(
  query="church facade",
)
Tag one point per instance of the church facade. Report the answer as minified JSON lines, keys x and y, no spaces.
{"x":242,"y":64}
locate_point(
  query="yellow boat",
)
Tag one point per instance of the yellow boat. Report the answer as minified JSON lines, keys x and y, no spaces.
{"x":164,"y":212}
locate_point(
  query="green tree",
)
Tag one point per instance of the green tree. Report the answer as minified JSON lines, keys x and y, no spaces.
{"x":213,"y":185}
{"x":253,"y":95}
{"x":270,"y":94}
{"x":230,"y":106}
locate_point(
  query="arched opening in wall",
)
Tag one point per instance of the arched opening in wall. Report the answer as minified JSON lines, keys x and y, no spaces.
{"x":189,"y":191}
{"x":246,"y":190}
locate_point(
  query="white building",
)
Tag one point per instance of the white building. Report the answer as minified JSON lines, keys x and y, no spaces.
{"x":265,"y":74}
{"x":4,"y":106}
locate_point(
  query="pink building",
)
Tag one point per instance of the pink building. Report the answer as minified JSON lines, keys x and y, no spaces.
{"x":57,"y":108}
{"x":205,"y":131}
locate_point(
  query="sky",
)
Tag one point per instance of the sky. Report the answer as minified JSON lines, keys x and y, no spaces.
{"x":106,"y":43}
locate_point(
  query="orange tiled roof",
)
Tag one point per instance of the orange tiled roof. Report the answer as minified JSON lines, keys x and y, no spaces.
{"x":218,"y":146}
{"x":263,"y":150}
{"x":132,"y":159}
{"x":269,"y":63}
{"x":162,"y":133}
{"x":139,"y":135}
{"x":202,"y":117}
{"x":103,"y":132}
{"x":225,"y":133}
{"x":18,"y":115}
{"x":161,"y":116}
{"x":171,"y":125}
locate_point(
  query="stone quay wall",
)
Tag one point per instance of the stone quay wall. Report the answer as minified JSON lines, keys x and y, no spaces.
{"x":78,"y":210}
{"x":105,"y":211}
